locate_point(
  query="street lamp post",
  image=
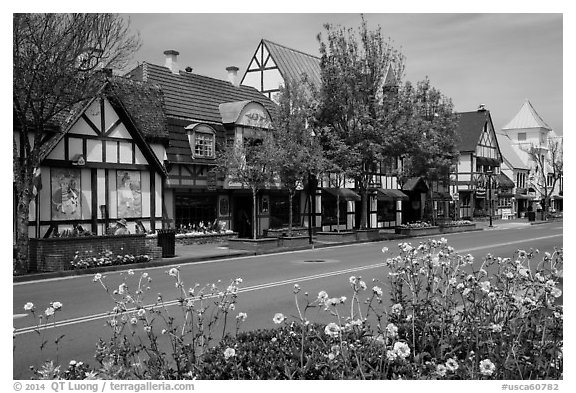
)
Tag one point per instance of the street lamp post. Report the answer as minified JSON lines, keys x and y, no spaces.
{"x":489,"y":174}
{"x":311,"y":194}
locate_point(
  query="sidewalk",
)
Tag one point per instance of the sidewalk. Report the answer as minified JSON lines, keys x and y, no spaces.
{"x":515,"y":223}
{"x":206,"y":252}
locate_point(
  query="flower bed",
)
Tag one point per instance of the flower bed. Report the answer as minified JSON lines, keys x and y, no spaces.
{"x":296,"y":231}
{"x":88,"y":259}
{"x":191,"y":238}
{"x":418,"y":228}
{"x":457,"y":226}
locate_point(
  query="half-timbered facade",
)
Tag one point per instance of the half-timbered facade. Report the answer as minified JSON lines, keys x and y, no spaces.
{"x":479,"y":156}
{"x":105,"y":164}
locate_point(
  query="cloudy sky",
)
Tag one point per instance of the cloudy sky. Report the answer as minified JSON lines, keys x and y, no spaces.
{"x":495,"y":59}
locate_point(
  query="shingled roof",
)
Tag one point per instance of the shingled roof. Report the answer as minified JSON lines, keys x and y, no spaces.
{"x":196,"y":97}
{"x":293,"y":63}
{"x":191,"y":98}
{"x":470,"y":127}
{"x":145,"y":105}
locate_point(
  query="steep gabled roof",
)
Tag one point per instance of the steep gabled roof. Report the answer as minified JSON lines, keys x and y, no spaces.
{"x":527,"y":117}
{"x":196,"y":97}
{"x":509,"y":153}
{"x":470,"y":127}
{"x":293,"y":63}
{"x":136,"y":103}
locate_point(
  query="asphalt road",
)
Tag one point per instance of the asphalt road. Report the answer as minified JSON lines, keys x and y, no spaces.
{"x":267,"y":288}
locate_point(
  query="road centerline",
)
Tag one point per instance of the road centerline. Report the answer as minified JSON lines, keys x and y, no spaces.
{"x":257,"y":287}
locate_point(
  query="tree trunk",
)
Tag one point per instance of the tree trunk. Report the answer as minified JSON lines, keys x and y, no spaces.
{"x":338,"y":212}
{"x":24,"y":195}
{"x":363,"y":213}
{"x":23,"y":181}
{"x":22,"y":241}
{"x":254,"y":207}
{"x":290,"y":218}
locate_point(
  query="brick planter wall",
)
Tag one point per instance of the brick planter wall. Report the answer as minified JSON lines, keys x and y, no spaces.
{"x":457,"y":228}
{"x":418,"y":231}
{"x":55,"y":254}
{"x":339,"y":237}
{"x":293,"y":241}
{"x":256,"y":245}
{"x":367,"y":234}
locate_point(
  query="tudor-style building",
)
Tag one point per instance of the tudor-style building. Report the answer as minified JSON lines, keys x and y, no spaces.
{"x":525,"y":131}
{"x":479,"y":156}
{"x":269,"y":68}
{"x":202,"y":113}
{"x":104,"y":162}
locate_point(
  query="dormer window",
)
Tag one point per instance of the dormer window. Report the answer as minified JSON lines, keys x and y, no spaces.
{"x":202,"y":140}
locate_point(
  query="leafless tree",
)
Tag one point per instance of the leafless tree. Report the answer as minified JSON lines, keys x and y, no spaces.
{"x":56,"y":64}
{"x":549,"y":164}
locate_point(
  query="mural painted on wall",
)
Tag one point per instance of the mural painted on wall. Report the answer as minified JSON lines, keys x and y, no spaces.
{"x":65,"y":188}
{"x":129,"y":194}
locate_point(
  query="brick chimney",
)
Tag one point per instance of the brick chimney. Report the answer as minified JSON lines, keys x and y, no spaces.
{"x":171,"y":61}
{"x":232,"y":74}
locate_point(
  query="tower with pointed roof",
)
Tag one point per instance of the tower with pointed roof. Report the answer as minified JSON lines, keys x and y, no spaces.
{"x":527,"y":127}
{"x":527,"y":130}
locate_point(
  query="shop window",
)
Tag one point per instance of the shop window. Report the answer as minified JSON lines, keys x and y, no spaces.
{"x":192,"y":210}
{"x":279,"y":208}
{"x":329,"y":212}
{"x":386,"y":211}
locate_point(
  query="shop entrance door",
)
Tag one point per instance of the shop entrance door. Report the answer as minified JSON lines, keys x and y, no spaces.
{"x":242,"y":216}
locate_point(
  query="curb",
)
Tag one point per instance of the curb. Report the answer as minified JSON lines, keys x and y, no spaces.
{"x":104,"y":269}
{"x":183,"y":259}
{"x":233,"y":254}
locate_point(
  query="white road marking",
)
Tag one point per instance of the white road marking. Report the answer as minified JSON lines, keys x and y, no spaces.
{"x":16,"y":316}
{"x":258,"y":287}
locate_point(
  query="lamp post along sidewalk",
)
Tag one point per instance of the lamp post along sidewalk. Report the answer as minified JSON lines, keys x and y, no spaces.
{"x":489,"y":174}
